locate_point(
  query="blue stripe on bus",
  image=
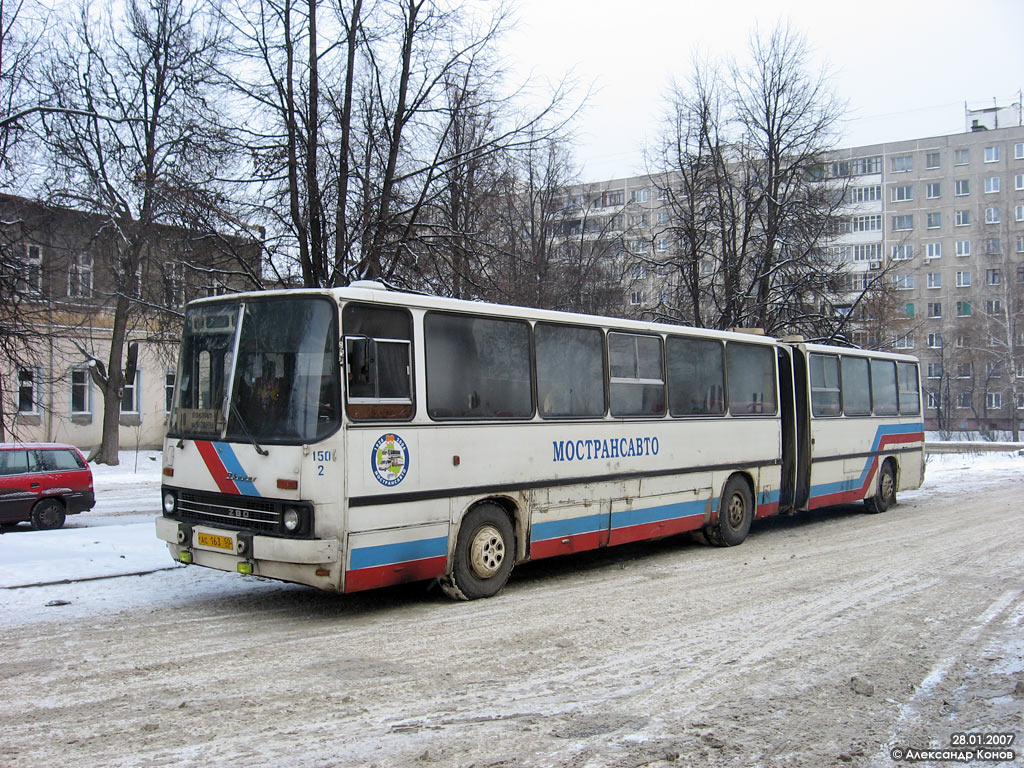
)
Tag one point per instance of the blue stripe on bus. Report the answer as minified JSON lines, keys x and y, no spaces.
{"x":630,"y":517}
{"x":573,"y":526}
{"x":234,"y":467}
{"x":841,"y":486}
{"x":386,"y":554}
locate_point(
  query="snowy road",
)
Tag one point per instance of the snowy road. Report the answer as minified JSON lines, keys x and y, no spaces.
{"x":826,"y":639}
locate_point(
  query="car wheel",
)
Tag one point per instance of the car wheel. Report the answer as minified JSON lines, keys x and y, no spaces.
{"x":47,"y":515}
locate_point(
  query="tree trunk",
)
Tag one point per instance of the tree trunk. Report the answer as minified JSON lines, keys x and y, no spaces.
{"x":113,"y":387}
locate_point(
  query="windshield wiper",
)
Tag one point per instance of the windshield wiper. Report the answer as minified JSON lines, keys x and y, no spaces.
{"x":259,"y":449}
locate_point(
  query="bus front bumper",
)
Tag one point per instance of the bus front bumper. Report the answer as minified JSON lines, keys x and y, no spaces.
{"x":221,"y":549}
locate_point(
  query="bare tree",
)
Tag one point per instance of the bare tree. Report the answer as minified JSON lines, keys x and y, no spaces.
{"x":742,"y":161}
{"x":150,"y":161}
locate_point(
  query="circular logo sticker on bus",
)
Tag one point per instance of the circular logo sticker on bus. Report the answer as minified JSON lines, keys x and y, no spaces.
{"x":390,"y":459}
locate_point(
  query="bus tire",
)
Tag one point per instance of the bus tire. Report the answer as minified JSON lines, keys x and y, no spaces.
{"x":47,"y":515}
{"x":885,"y":496}
{"x":484,"y":552}
{"x":735,"y":514}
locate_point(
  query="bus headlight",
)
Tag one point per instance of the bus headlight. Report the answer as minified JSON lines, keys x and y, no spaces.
{"x":170,"y":502}
{"x":292,"y":520}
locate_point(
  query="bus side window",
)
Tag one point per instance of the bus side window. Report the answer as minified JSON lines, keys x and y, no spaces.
{"x":910,"y":397}
{"x":378,"y":362}
{"x":750,"y":379}
{"x":883,"y":387}
{"x":696,"y":386}
{"x":824,"y":385}
{"x":856,"y":386}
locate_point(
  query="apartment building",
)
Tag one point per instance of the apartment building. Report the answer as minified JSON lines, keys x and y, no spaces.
{"x":938,"y":222}
{"x":58,"y":275}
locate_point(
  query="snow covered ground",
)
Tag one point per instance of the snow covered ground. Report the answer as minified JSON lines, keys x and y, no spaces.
{"x":827,"y":639}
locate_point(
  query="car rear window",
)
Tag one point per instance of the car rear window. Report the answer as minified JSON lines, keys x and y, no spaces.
{"x":60,"y":459}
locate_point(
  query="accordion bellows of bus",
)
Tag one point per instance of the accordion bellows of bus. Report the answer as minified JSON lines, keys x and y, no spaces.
{"x":358,"y":437}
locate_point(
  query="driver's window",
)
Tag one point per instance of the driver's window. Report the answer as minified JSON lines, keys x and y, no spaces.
{"x":378,"y":362}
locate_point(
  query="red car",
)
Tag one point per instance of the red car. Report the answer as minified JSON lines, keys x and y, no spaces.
{"x":43,"y":483}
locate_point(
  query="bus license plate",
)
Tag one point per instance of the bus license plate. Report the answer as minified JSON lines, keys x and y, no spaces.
{"x":217,"y":542}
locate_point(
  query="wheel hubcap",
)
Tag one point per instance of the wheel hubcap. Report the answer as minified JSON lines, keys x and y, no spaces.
{"x":487,"y":551}
{"x":736,"y":511}
{"x":887,"y":485}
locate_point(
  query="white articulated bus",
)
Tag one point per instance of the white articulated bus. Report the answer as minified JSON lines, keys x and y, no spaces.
{"x":359,"y":437}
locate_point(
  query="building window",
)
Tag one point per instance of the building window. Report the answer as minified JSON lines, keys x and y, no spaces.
{"x":170,"y":377}
{"x":80,"y":276}
{"x":638,"y":220}
{"x":1018,"y":181}
{"x":934,"y":250}
{"x":993,"y":306}
{"x":662,"y":218}
{"x":993,"y":401}
{"x":1020,"y":243}
{"x":963,"y":247}
{"x":902,"y":223}
{"x":908,"y":310}
{"x":961,"y":187}
{"x":935,"y":340}
{"x":934,"y":279}
{"x":963,"y":309}
{"x":29,"y":388}
{"x":963,"y":278}
{"x":870,"y":194}
{"x":933,"y":399}
{"x":30,"y":278}
{"x":992,"y":154}
{"x":993,"y":276}
{"x":639,"y":272}
{"x":935,"y":309}
{"x":963,"y":370}
{"x":871,"y":223}
{"x":857,"y":282}
{"x":934,"y":220}
{"x":994,"y":370}
{"x":1020,"y":395}
{"x":991,"y":185}
{"x":904,"y":342}
{"x":902,"y":252}
{"x":80,"y":391}
{"x":1018,"y":150}
{"x":867,"y":252}
{"x":932,"y":159}
{"x":934,"y":370}
{"x":638,"y":196}
{"x":902,"y":193}
{"x":130,"y":395}
{"x":963,"y":218}
{"x":612,"y":197}
{"x":661,"y":244}
{"x":934,"y":190}
{"x":637,"y":298}
{"x":902,"y":163}
{"x":903,"y":282}
{"x":1018,"y":213}
{"x":963,"y":399}
{"x":993,"y":246}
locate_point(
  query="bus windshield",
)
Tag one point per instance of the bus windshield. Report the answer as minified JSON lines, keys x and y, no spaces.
{"x":261,"y":371}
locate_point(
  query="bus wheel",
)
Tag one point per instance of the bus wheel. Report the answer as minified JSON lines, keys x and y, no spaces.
{"x":484,"y":552}
{"x":47,"y":515}
{"x":735,"y":514}
{"x":885,"y":497}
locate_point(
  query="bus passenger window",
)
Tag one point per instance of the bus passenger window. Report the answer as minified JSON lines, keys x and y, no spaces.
{"x":696,"y":385}
{"x":824,"y":385}
{"x":570,"y":371}
{"x":637,"y":387}
{"x":910,"y":397}
{"x":856,"y":386}
{"x":477,"y":367}
{"x":750,"y":379}
{"x":378,"y":362}
{"x":883,"y":387}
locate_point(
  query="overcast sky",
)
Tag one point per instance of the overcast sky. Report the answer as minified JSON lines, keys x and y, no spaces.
{"x":905,"y":67}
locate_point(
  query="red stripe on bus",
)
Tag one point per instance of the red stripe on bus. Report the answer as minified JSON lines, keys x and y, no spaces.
{"x":216,"y":467}
{"x":858,"y":494}
{"x":563,"y":545}
{"x":655,"y":530}
{"x":767,"y":510}
{"x":395,"y":573}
